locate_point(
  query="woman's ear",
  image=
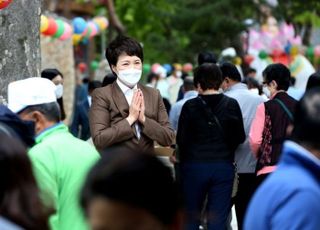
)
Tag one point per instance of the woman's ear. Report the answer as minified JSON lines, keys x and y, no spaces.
{"x":114,"y":69}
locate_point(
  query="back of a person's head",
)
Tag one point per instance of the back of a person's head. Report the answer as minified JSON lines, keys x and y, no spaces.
{"x":313,"y":81}
{"x":278,"y":73}
{"x":94,"y":85}
{"x":230,"y":70}
{"x":123,"y":45}
{"x":109,"y":79}
{"x":151,"y":76}
{"x":206,"y":57}
{"x":307,"y":119}
{"x":188,"y":83}
{"x":50,"y":73}
{"x":19,"y":195}
{"x":135,"y":179}
{"x":51,"y":111}
{"x":208,"y":75}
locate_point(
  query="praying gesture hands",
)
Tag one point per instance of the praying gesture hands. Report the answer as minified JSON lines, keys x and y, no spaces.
{"x":137,"y":108}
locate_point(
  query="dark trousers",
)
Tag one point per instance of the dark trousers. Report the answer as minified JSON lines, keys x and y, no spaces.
{"x":246,"y":189}
{"x":213,"y":180}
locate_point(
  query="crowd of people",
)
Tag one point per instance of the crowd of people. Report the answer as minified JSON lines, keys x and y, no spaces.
{"x":236,"y":142}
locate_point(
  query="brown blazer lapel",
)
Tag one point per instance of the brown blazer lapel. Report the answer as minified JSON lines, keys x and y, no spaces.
{"x":120,"y":100}
{"x":121,"y":103}
{"x":148,"y":102}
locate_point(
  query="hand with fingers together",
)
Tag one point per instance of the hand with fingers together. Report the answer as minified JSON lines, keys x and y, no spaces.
{"x":142,"y":117}
{"x":134,"y":109}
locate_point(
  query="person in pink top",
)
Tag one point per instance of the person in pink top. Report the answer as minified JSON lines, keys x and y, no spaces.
{"x":269,"y":128}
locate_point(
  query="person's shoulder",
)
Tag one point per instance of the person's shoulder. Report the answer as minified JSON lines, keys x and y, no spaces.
{"x":228,"y":100}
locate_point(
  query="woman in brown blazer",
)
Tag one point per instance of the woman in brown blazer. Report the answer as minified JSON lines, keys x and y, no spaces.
{"x":126,"y":113}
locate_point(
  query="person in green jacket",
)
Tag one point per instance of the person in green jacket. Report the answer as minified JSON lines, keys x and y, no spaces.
{"x":60,"y":161}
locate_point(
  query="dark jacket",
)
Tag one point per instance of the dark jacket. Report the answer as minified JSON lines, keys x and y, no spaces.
{"x":202,"y":142}
{"x":275,"y":131}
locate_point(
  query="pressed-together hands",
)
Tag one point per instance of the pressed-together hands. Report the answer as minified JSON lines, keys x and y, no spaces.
{"x":137,"y":108}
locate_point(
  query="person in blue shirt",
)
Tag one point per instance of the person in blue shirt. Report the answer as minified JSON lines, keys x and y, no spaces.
{"x":189,"y":93}
{"x":289,"y":198}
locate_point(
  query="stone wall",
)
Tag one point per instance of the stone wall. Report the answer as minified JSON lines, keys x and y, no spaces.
{"x":59,"y":54}
{"x":19,"y":42}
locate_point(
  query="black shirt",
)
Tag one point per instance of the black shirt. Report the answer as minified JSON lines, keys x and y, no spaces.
{"x":201,"y":141}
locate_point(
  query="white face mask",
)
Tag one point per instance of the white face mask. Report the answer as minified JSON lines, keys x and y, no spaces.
{"x":130,"y":77}
{"x":266,"y":91}
{"x":59,"y":91}
{"x":179,"y":74}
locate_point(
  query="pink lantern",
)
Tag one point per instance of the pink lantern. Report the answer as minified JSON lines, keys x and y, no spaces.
{"x":67,"y":32}
{"x":187,"y":67}
{"x":297,"y":41}
{"x":317,"y":51}
{"x":154,"y":67}
{"x":94,"y":30}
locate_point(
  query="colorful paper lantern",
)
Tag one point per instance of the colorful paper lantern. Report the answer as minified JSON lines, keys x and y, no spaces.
{"x":52,"y":28}
{"x":187,"y":67}
{"x":317,"y":51}
{"x":94,"y":30}
{"x":263,"y":54}
{"x":44,"y":23}
{"x":67,"y":32}
{"x":248,"y":59}
{"x":168,"y":68}
{"x":60,"y":30}
{"x":94,"y":65}
{"x":310,"y":52}
{"x":76,"y":38}
{"x":154,"y":67}
{"x":79,"y":25}
{"x":4,"y":3}
{"x":102,"y":22}
{"x":146,"y":68}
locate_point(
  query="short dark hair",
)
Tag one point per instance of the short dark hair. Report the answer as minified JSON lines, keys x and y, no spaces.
{"x":50,"y":110}
{"x":93,"y":85}
{"x":151,"y":76}
{"x":208,"y":75}
{"x":50,"y":73}
{"x":278,"y":73}
{"x":307,"y":119}
{"x":136,"y":179}
{"x":230,"y":70}
{"x":206,"y":57}
{"x":109,"y":79}
{"x":123,"y":45}
{"x":188,"y":83}
{"x":313,"y":81}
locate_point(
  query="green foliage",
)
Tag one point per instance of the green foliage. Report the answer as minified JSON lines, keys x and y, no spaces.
{"x":176,"y":31}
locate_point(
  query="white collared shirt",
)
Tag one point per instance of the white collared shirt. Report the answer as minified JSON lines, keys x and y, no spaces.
{"x":128,"y":93}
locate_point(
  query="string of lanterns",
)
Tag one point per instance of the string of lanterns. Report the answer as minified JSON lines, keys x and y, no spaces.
{"x":80,"y":30}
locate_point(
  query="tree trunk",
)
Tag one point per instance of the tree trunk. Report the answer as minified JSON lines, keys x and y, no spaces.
{"x":113,"y":17}
{"x":19,"y":42}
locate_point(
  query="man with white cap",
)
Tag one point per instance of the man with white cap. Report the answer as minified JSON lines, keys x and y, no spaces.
{"x":60,"y":161}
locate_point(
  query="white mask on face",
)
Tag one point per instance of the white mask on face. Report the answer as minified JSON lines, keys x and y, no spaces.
{"x":130,"y":77}
{"x":59,"y":91}
{"x":179,"y":74}
{"x":266,"y":91}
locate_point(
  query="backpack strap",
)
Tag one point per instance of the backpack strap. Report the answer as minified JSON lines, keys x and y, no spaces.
{"x":285,"y":108}
{"x":211,"y":116}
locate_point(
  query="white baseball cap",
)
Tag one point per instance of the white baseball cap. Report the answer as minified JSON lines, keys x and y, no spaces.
{"x":30,"y":91}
